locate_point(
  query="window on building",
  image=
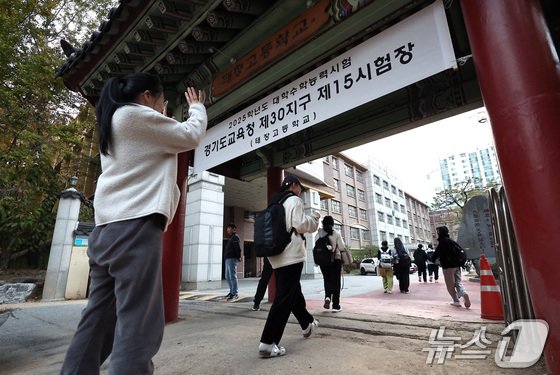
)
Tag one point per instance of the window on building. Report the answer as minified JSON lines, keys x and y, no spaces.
{"x":335,"y":205}
{"x":397,"y":222}
{"x":352,"y":211}
{"x":389,"y":219}
{"x":334,"y":163}
{"x":401,"y":193}
{"x":380,"y":216}
{"x":324,"y":205}
{"x":383,"y":235}
{"x":406,"y":239}
{"x":404,"y":223}
{"x":395,"y":206}
{"x":387,"y":202}
{"x":338,"y":228}
{"x":391,"y":237}
{"x":348,"y":170}
{"x":363,"y":214}
{"x":359,"y":176}
{"x":365,"y":235}
{"x":350,"y":191}
{"x":376,"y":180}
{"x":393,"y":189}
{"x":402,"y":208}
{"x":385,"y":185}
{"x":361,"y":195}
{"x":336,"y":184}
{"x":378,"y":198}
{"x":354,"y":233}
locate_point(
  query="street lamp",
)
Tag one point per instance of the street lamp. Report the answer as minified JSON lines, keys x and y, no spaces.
{"x":74,"y":181}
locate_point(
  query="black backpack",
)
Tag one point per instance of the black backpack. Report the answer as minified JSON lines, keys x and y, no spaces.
{"x":271,"y":236}
{"x":322,"y":256}
{"x":458,"y":255}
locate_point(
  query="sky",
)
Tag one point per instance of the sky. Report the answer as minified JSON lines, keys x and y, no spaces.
{"x":417,"y":163}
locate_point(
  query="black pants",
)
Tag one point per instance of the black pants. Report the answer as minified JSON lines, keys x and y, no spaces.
{"x":422,"y":272}
{"x":404,"y":278}
{"x":433,"y":269}
{"x":331,"y":281}
{"x":263,"y":282}
{"x":289,"y":299}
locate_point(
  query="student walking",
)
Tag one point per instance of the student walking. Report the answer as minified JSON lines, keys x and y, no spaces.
{"x":332,"y":271}
{"x":287,"y":268}
{"x":420,"y":259}
{"x":451,"y":267}
{"x":402,"y":266}
{"x":386,"y":260}
{"x":433,"y":267}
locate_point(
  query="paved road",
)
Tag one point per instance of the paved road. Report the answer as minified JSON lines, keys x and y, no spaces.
{"x":374,"y":334}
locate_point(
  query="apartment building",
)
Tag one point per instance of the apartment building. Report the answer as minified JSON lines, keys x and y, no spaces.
{"x":480,"y":164}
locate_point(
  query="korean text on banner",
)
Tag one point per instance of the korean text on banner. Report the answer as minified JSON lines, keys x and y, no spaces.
{"x":416,"y":48}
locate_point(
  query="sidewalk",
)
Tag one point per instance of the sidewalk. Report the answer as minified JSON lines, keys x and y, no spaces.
{"x":374,"y":334}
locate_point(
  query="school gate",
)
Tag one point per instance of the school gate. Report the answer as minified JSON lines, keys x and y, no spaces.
{"x":290,"y":81}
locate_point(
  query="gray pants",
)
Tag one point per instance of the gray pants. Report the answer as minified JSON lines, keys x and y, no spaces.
{"x":124,"y":315}
{"x":453,"y":282}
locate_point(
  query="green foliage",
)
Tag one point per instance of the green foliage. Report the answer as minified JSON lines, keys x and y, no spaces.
{"x":459,"y":194}
{"x":42,"y":124}
{"x":369,"y":251}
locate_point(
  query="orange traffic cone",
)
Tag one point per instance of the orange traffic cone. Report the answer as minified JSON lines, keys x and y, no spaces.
{"x":490,"y":296}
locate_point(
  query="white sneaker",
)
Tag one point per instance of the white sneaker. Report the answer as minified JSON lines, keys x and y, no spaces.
{"x":455,"y":304}
{"x":312,"y":327}
{"x":271,"y":350}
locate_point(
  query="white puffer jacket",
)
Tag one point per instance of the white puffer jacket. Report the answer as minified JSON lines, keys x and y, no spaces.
{"x":295,"y":218}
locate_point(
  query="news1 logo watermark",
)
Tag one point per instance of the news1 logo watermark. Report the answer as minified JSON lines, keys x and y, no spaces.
{"x":529,"y":345}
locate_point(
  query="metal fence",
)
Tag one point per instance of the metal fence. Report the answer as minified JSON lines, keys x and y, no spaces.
{"x":515,"y":294}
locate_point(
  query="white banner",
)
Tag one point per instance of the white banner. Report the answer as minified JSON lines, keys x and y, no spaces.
{"x":414,"y":49}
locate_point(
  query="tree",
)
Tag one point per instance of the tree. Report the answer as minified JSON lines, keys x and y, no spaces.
{"x":42,"y":124}
{"x":459,"y":193}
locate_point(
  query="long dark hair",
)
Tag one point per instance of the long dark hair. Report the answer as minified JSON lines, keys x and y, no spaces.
{"x":328,"y":224}
{"x":116,"y":92}
{"x":401,"y":250}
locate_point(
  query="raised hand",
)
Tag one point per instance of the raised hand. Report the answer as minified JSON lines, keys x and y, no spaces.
{"x":194,"y":97}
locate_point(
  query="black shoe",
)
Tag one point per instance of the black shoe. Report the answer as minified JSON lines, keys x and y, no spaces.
{"x":228,"y":296}
{"x":336,"y":308}
{"x":256,"y":307}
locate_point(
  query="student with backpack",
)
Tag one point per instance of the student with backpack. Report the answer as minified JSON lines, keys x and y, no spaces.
{"x":402,"y":266}
{"x":420,"y":259}
{"x":288,"y":266}
{"x":452,"y":258}
{"x":331,"y":269}
{"x":386,"y":259}
{"x":433,"y":267}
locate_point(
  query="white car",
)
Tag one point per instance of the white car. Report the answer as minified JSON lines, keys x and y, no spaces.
{"x":369,"y":265}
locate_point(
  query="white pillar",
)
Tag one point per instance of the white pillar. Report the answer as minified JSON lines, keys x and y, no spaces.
{"x":312,"y":203}
{"x":61,"y":245}
{"x":204,"y":221}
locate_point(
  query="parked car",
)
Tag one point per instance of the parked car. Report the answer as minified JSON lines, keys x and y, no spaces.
{"x":369,"y":265}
